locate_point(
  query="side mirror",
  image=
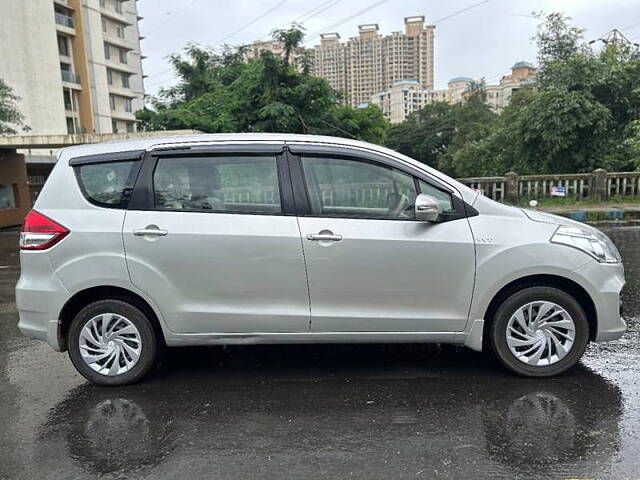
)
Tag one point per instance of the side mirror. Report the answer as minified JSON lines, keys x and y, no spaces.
{"x":428,"y":209}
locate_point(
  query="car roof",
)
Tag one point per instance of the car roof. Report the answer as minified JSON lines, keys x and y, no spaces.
{"x":229,"y":138}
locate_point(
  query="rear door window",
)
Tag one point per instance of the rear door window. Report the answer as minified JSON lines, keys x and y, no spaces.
{"x":108,"y":184}
{"x":224,"y":184}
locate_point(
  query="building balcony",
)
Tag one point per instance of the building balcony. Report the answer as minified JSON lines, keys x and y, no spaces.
{"x":116,"y":16}
{"x":64,"y":3}
{"x":122,"y":115}
{"x":65,"y":20}
{"x":122,"y":91}
{"x":70,"y":77}
{"x":113,"y":64}
{"x":118,"y":42}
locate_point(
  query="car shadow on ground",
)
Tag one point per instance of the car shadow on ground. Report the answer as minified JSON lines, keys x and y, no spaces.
{"x":445,"y":408}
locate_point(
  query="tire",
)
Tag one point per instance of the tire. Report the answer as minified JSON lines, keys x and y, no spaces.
{"x":552,"y":352}
{"x":134,"y":348}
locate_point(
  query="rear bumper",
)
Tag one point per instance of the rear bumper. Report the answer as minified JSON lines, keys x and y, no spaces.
{"x":40,"y":297}
{"x":47,"y":332}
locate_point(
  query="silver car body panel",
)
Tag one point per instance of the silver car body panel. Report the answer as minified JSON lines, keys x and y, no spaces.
{"x":221,"y":272}
{"x":431,"y":282}
{"x":379,"y":277}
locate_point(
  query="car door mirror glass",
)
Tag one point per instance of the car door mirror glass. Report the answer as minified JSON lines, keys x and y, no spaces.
{"x":428,"y":208}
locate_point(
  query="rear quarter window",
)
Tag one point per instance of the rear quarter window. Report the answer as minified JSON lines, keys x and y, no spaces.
{"x":108,"y":184}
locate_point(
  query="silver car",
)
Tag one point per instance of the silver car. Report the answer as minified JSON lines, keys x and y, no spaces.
{"x":267,"y":238}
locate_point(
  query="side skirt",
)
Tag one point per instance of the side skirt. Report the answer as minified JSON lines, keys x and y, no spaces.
{"x":191,"y":339}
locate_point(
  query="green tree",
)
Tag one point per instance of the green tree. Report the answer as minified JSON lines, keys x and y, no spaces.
{"x":435,"y":133}
{"x":584,"y":114}
{"x":223,"y":92}
{"x":10,"y":116}
{"x":426,"y":133}
{"x":290,"y":38}
{"x":557,"y":39}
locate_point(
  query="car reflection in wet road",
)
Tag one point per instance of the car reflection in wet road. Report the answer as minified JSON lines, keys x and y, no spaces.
{"x":366,"y":411}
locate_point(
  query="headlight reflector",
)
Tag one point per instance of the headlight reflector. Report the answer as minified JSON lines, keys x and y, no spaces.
{"x":591,"y":241}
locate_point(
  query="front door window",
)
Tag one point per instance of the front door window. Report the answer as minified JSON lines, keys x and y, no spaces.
{"x":358,"y":189}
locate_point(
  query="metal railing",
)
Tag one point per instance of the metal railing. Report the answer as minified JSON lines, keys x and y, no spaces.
{"x":36,"y":180}
{"x":70,"y":77}
{"x":64,"y":20}
{"x":599,"y":185}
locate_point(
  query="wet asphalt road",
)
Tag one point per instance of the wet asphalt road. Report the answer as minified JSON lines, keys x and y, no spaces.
{"x":387,"y":412}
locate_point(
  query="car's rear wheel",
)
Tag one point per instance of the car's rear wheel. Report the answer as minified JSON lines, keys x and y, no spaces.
{"x":539,"y":332}
{"x":112,"y":342}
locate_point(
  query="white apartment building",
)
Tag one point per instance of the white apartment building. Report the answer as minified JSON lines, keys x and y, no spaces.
{"x":408,"y":96}
{"x":76,"y":64}
{"x":372,"y":62}
{"x":523,"y":75}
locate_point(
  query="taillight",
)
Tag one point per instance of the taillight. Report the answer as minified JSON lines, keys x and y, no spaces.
{"x":40,"y":232}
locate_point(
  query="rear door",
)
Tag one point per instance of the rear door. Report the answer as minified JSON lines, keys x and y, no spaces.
{"x":212,"y":238}
{"x":371,"y":266}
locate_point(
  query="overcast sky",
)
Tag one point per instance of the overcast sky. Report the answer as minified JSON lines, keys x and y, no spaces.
{"x":483,"y":41}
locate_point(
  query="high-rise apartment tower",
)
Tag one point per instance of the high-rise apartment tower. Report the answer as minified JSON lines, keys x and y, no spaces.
{"x":372,"y":63}
{"x":75,"y":64}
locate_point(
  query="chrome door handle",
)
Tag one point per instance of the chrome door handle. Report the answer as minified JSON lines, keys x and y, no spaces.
{"x":156,"y":232}
{"x":324,"y":237}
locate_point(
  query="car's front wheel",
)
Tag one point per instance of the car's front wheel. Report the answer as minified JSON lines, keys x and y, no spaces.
{"x":539,"y":332}
{"x":112,"y":342}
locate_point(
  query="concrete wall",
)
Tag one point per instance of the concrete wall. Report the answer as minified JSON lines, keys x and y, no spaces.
{"x":13,"y":171}
{"x":30,"y":62}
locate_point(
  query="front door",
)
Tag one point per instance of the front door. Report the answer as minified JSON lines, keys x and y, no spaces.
{"x":371,"y":266}
{"x":216,"y":251}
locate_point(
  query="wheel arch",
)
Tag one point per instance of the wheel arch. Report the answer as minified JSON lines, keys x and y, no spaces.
{"x":84,"y":297}
{"x":543,"y":280}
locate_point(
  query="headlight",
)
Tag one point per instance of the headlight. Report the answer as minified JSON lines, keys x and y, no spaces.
{"x":590,"y":241}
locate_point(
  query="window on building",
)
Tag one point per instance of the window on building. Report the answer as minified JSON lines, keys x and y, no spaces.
{"x":125,"y":80}
{"x":114,"y":126}
{"x":109,"y":77}
{"x":7,"y":196}
{"x":119,"y":6}
{"x":107,"y":51}
{"x":128,"y":105}
{"x":103,"y":3}
{"x":71,"y":126}
{"x":120,"y":30}
{"x":112,"y":102}
{"x":123,"y":56}
{"x":63,"y":46}
{"x":105,"y":26}
{"x":131,"y":127}
{"x":69,"y":104}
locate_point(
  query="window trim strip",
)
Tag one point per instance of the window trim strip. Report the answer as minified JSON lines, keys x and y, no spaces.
{"x":127,"y":156}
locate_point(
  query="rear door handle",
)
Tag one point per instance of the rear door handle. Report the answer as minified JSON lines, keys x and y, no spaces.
{"x":324,"y":237}
{"x":154,"y":232}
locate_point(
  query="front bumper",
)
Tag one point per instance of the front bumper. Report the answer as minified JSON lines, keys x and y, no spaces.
{"x":604,"y":283}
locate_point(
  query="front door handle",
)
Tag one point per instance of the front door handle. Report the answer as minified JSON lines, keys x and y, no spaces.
{"x":324,"y":237}
{"x":150,"y":230}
